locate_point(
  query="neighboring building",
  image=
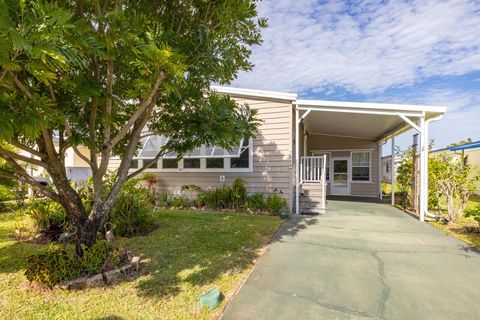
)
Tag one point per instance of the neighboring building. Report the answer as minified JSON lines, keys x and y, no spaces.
{"x":77,"y":169}
{"x":469,"y":152}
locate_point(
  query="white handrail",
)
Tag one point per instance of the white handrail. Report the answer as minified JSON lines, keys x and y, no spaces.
{"x":312,"y":168}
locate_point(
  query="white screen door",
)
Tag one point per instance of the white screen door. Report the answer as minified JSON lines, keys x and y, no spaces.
{"x":340,"y":173}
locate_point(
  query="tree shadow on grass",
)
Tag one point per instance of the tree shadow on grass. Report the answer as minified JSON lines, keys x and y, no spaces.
{"x":195,"y":249}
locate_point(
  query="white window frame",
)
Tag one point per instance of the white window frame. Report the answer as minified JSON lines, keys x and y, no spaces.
{"x":203,"y":165}
{"x":369,"y":166}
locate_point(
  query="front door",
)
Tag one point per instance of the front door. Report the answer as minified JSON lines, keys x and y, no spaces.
{"x":340,"y":175}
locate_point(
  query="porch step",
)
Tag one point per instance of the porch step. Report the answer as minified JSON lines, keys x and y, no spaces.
{"x":312,"y":186}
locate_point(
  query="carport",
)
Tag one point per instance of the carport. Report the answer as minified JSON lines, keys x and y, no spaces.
{"x":376,"y":122}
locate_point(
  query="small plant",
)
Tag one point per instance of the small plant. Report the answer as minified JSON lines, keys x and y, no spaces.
{"x":256,"y":202}
{"x":53,"y":267}
{"x":132,"y":211}
{"x":239,"y":193}
{"x":474,"y":213}
{"x":275,"y":204}
{"x":57,"y":265}
{"x":48,"y":217}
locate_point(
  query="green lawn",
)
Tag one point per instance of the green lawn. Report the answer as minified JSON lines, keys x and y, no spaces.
{"x":188,"y":254}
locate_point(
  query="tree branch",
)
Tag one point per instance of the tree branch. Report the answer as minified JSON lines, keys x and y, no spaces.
{"x":140,"y":110}
{"x":4,"y":153}
{"x":23,"y":147}
{"x":158,"y":156}
{"x":21,"y":87}
{"x":22,"y":175}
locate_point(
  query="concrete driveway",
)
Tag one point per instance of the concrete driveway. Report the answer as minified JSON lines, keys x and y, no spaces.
{"x":361,"y":261}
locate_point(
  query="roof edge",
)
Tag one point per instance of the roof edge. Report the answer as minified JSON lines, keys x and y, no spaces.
{"x":368,"y":105}
{"x":256,"y":93}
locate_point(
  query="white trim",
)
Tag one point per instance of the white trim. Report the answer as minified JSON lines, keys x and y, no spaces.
{"x":297,"y":161}
{"x":304,"y":115}
{"x":341,"y":136}
{"x":361,"y":111}
{"x":255,"y":93}
{"x":369,"y":166}
{"x":380,"y":171}
{"x":410,"y":122}
{"x":415,"y":109}
{"x":349,"y":175}
{"x":394,"y":170}
{"x":343,"y":150}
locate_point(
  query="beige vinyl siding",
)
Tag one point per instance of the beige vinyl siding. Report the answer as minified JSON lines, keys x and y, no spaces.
{"x":272,"y":160}
{"x":344,"y":146}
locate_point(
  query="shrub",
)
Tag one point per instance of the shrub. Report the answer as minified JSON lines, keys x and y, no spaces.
{"x":474,"y":213}
{"x":52,"y":267}
{"x":57,"y":265}
{"x":220,"y":198}
{"x":275,"y":204}
{"x":48,"y":216}
{"x":132,"y":211}
{"x":256,"y":202}
{"x":239,"y":193}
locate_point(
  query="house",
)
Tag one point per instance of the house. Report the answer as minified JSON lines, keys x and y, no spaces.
{"x":304,"y":150}
{"x":76,"y":168}
{"x":469,"y":152}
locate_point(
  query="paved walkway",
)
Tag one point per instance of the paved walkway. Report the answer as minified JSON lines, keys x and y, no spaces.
{"x":361,"y":261}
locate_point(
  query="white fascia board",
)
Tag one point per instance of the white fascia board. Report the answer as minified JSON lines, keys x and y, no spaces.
{"x":255,"y":93}
{"x":372,"y":106}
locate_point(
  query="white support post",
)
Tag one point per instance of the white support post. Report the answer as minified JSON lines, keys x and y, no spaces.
{"x":305,"y":142}
{"x":423,"y":168}
{"x":324,"y":181}
{"x":393,"y":171}
{"x":297,"y":160}
{"x":380,"y":170}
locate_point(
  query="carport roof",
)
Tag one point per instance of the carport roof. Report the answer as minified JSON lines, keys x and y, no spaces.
{"x":374,"y":121}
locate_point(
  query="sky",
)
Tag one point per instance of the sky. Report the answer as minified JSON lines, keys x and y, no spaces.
{"x":416,"y":52}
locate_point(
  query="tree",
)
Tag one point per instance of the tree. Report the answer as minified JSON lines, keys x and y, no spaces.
{"x":461,"y":142}
{"x":104,"y":73}
{"x":456,"y":182}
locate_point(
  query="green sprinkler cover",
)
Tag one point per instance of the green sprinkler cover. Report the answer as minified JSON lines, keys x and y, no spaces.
{"x":210,"y":299}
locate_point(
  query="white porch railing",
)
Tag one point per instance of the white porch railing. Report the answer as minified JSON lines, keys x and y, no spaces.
{"x":312,"y":169}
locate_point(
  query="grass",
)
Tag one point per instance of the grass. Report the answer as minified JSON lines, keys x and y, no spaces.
{"x":188,"y":254}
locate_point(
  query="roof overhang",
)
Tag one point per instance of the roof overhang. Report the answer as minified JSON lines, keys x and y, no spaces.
{"x":250,"y":93}
{"x":373,"y":121}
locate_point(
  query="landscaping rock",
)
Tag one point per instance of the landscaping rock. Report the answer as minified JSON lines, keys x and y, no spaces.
{"x":76,"y":284}
{"x":95,"y":281}
{"x":136,"y":263}
{"x":111,"y":276}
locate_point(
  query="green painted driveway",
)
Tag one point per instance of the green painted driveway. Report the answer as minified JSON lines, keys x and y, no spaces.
{"x":361,"y":261}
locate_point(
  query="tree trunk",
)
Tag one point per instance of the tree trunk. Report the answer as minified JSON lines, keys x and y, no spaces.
{"x":451,"y":209}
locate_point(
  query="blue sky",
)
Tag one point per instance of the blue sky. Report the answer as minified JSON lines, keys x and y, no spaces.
{"x":419,"y":52}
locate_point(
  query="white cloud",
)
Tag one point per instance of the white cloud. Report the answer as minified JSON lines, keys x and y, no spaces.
{"x":364,"y":48}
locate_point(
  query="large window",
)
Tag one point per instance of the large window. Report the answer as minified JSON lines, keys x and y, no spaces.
{"x":361,"y":166}
{"x":215,"y":163}
{"x":191,"y":163}
{"x":212,"y":159}
{"x":169,"y":163}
